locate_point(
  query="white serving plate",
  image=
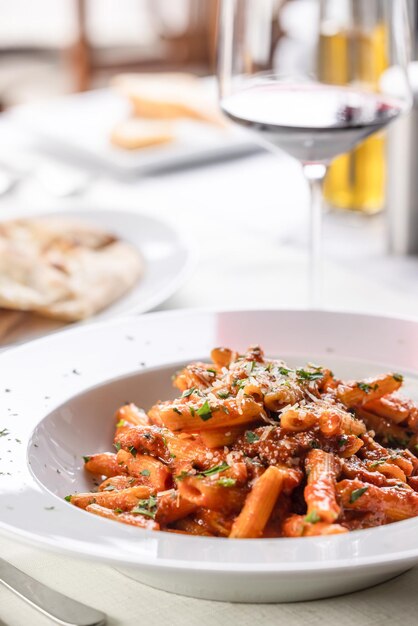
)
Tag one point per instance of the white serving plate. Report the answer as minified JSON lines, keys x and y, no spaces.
{"x":57,"y":398}
{"x":168,"y":259}
{"x":80,"y":125}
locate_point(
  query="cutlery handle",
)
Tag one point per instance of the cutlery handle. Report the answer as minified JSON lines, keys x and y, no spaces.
{"x":55,"y":605}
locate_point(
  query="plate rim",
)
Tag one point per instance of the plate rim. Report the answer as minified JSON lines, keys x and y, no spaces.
{"x":84,"y":212}
{"x":236,"y":144}
{"x":411,"y":555}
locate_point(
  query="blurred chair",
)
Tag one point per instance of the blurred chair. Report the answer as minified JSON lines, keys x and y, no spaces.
{"x":84,"y":42}
{"x":190,"y":48}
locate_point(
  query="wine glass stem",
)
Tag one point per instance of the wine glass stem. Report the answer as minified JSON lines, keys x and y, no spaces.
{"x":315,"y":174}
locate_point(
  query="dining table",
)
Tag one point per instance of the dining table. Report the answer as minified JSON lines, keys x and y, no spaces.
{"x":247,"y":220}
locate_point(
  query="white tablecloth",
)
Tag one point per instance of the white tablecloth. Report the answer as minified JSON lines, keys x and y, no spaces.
{"x":249,"y":220}
{"x":129,"y":603}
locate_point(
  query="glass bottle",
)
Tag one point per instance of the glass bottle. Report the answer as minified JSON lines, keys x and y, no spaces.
{"x":355,"y":181}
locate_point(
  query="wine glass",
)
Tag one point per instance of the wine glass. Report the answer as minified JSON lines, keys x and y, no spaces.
{"x":320,"y":94}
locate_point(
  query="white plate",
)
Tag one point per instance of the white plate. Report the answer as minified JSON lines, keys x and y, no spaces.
{"x":80,"y":125}
{"x":168,"y":259}
{"x":56,"y":404}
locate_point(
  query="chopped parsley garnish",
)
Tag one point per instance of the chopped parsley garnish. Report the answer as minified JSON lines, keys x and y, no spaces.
{"x":214,"y":470}
{"x":226,"y":482}
{"x":109,"y":488}
{"x":313,"y":517}
{"x":132,"y":450}
{"x":147,"y":507}
{"x":183,"y":474}
{"x":377,"y":463}
{"x":188,"y":392}
{"x":118,"y":511}
{"x":223,"y":394}
{"x":145,"y":472}
{"x":310,"y":376}
{"x":284,"y":371}
{"x":357,"y":493}
{"x":214,"y":372}
{"x":117,"y":446}
{"x":4,"y":432}
{"x":192,"y":411}
{"x":86,"y":459}
{"x":251,"y":437}
{"x":342,"y":441}
{"x":205,"y":412}
{"x":240,"y":382}
{"x":367,"y":388}
{"x":68,"y":498}
{"x":398,"y":377}
{"x":120,"y":423}
{"x":176,"y":410}
{"x":249,"y":367}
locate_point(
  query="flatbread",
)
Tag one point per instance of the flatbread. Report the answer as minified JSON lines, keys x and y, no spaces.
{"x":62,"y":268}
{"x":9,"y":320}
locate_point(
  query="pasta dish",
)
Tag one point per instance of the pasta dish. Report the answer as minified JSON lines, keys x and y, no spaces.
{"x":252,"y":448}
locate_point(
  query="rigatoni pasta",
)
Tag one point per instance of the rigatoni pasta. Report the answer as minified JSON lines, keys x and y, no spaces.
{"x":252,"y":448}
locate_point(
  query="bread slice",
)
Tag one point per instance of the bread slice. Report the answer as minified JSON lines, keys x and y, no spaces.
{"x":135,"y":134}
{"x":167,"y":96}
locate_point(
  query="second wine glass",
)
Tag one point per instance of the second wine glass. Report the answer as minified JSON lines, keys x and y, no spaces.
{"x":282,"y":91}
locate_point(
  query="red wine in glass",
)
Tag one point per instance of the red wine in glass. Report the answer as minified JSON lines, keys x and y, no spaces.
{"x":311,"y":122}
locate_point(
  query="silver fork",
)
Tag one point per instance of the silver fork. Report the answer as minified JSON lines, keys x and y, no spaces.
{"x":55,"y":605}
